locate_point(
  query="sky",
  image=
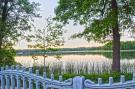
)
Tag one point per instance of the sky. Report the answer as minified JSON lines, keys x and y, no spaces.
{"x":46,"y":10}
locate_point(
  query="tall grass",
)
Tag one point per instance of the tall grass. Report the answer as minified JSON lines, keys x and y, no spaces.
{"x":88,"y":67}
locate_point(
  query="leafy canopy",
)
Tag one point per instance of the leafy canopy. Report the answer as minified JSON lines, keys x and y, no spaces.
{"x":96,"y":16}
{"x":16,"y":18}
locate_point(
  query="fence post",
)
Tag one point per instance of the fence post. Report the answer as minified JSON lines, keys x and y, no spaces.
{"x":2,"y":79}
{"x":30,"y":80}
{"x":7,"y":79}
{"x":43,"y":83}
{"x":12,"y":79}
{"x":133,"y":80}
{"x":18,"y":82}
{"x":122,"y":80}
{"x":78,"y":82}
{"x":24,"y":83}
{"x":37,"y":82}
{"x":2,"y":82}
{"x":7,"y":82}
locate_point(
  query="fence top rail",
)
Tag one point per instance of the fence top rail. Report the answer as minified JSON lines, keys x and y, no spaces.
{"x":122,"y":84}
{"x":30,"y":75}
{"x":22,"y":73}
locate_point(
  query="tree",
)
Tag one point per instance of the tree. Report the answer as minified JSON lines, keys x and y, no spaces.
{"x":48,"y":39}
{"x":101,"y":18}
{"x":16,"y":17}
{"x":15,"y":20}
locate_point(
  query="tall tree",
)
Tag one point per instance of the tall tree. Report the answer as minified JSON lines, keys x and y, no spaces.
{"x":101,"y":18}
{"x":48,"y":39}
{"x":15,"y":20}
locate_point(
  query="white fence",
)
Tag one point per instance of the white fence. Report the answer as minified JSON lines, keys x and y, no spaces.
{"x":19,"y":78}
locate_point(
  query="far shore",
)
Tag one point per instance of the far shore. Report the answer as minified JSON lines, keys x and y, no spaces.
{"x":30,"y":52}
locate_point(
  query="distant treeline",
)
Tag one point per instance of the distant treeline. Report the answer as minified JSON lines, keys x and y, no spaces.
{"x":128,"y":45}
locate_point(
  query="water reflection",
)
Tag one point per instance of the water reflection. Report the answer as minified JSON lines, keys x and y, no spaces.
{"x":87,"y":63}
{"x":29,"y":62}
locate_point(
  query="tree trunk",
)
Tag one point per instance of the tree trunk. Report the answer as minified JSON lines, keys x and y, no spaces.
{"x":0,"y":42}
{"x":116,"y":39}
{"x":4,"y":17}
{"x":116,"y":50}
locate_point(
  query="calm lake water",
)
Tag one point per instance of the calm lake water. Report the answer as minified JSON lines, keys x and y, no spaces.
{"x":81,"y":62}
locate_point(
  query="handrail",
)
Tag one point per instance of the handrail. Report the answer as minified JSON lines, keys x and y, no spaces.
{"x":122,"y":84}
{"x":35,"y":77}
{"x":78,"y":82}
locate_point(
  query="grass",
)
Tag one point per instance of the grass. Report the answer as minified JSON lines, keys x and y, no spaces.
{"x":88,"y":67}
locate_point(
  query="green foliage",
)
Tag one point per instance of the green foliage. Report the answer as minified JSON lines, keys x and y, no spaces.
{"x":16,"y":17}
{"x":93,"y":77}
{"x":52,"y":49}
{"x":104,"y":76}
{"x":97,"y":16}
{"x":128,"y":45}
{"x":7,"y":57}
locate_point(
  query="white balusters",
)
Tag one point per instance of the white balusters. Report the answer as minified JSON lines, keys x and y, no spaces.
{"x":30,"y":84}
{"x":44,"y":83}
{"x":12,"y":82}
{"x":122,"y":79}
{"x":17,"y":67}
{"x":12,"y":79}
{"x":24,"y":79}
{"x":110,"y":80}
{"x":18,"y":82}
{"x":60,"y":78}
{"x":99,"y":81}
{"x":133,"y":80}
{"x":133,"y":76}
{"x":15,"y":76}
{"x":2,"y":79}
{"x":23,"y":69}
{"x":24,"y":83}
{"x":30,"y":80}
{"x":7,"y":79}
{"x":52,"y":76}
{"x":7,"y":67}
{"x":7,"y":82}
{"x":12,"y":67}
{"x":37,"y":72}
{"x":78,"y":82}
{"x":30,"y":70}
{"x":44,"y":75}
{"x":18,"y":78}
{"x":37,"y":82}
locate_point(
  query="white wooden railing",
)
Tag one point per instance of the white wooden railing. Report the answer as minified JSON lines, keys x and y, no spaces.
{"x":19,"y":78}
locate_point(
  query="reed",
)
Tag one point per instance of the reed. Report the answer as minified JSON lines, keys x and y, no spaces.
{"x":88,"y":67}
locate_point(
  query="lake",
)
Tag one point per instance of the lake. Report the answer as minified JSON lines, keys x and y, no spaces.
{"x":94,"y":62}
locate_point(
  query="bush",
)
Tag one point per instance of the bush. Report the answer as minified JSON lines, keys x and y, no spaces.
{"x":93,"y":77}
{"x":7,"y":57}
{"x":104,"y":76}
